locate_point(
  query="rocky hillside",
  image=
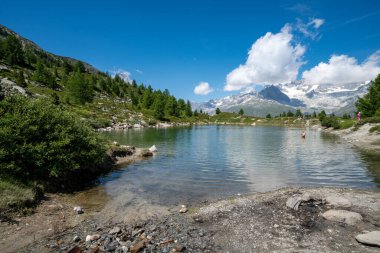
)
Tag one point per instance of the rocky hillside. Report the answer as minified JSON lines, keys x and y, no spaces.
{"x":31,"y":48}
{"x":101,"y":99}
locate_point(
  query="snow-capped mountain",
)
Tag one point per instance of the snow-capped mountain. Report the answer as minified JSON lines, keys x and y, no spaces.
{"x":275,"y":99}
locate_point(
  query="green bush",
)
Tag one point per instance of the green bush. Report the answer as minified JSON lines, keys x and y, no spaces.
{"x":99,"y":123}
{"x":39,"y":141}
{"x":330,"y":122}
{"x":375,"y":129}
{"x":364,"y":121}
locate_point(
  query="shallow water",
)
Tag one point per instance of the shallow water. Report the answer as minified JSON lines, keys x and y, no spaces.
{"x":209,"y":162}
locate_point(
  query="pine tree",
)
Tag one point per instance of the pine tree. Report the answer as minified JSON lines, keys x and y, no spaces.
{"x":79,"y":67}
{"x":241,"y":111}
{"x":79,"y":89}
{"x":171,"y":106}
{"x":147,"y":99}
{"x":322,"y":115}
{"x":12,"y":51}
{"x":188,"y":109}
{"x":369,"y":105}
{"x":290,"y":114}
{"x":43,"y":75}
{"x":269,"y":116}
{"x":217,"y":111}
{"x":20,"y":79}
{"x":181,"y":107}
{"x":298,"y":113}
{"x":158,"y":108}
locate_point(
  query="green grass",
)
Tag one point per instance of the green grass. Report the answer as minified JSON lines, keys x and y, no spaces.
{"x":15,"y":196}
{"x":346,"y":123}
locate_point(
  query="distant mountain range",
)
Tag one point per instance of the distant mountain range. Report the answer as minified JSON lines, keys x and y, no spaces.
{"x":275,"y":99}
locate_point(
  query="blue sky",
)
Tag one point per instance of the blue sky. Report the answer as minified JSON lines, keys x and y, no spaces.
{"x":179,"y":44}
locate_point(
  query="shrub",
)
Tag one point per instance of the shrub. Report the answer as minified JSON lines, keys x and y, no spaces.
{"x":375,"y":129}
{"x":330,"y":122}
{"x":39,"y":141}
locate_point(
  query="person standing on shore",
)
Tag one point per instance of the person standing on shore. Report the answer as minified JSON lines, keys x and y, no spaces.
{"x":359,"y":116}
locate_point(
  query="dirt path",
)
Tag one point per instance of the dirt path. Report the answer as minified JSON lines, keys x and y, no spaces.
{"x":54,"y":215}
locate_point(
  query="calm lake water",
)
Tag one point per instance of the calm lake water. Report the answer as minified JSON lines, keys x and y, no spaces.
{"x":209,"y":162}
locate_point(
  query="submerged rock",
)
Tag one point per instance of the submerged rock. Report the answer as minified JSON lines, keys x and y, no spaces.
{"x":344,"y":216}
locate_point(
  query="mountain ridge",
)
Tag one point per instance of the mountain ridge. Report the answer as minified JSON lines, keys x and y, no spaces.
{"x":275,"y":99}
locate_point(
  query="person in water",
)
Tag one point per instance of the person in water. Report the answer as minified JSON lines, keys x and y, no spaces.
{"x":303,"y":134}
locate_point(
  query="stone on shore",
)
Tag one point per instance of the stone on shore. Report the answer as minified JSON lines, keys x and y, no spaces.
{"x":76,"y":239}
{"x":78,"y":210}
{"x":183,"y":209}
{"x":293,"y":202}
{"x":344,"y":216}
{"x":90,"y":238}
{"x":137,"y":246}
{"x":338,"y":201}
{"x":371,"y":238}
{"x":115,"y":230}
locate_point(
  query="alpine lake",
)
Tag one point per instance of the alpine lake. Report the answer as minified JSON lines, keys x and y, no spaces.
{"x":205,"y":163}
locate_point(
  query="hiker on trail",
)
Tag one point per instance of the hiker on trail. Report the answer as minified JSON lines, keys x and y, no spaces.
{"x":359,"y":116}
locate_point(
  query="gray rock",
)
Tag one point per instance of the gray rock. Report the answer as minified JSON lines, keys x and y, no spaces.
{"x":344,"y":216}
{"x":294,"y":201}
{"x":371,"y":238}
{"x":90,"y":238}
{"x":178,"y":248}
{"x":183,"y":209}
{"x":78,"y":210}
{"x":125,"y":249}
{"x":115,"y":230}
{"x":338,"y":201}
{"x":110,"y":246}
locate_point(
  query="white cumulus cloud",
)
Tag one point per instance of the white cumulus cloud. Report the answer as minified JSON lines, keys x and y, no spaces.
{"x":203,"y":88}
{"x":125,"y":75}
{"x":342,"y":69}
{"x":272,"y":59}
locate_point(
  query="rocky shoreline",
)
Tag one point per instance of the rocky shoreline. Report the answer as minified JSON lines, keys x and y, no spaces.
{"x":140,"y":125}
{"x":361,"y":137}
{"x":285,"y":220}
